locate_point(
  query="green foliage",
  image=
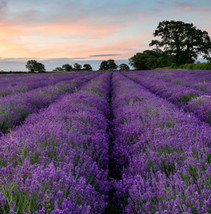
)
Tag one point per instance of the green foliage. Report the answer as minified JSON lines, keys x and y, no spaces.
{"x":33,"y":65}
{"x":197,"y":66}
{"x":150,"y":59}
{"x":186,"y":98}
{"x":183,"y":41}
{"x":22,"y":201}
{"x":87,"y":67}
{"x":95,"y":91}
{"x":178,"y":82}
{"x":104,"y":66}
{"x":67,"y":67}
{"x":58,"y":69}
{"x":202,"y":66}
{"x":77,"y":67}
{"x":124,"y":67}
{"x":108,"y":65}
{"x":112,"y":65}
{"x":30,"y":65}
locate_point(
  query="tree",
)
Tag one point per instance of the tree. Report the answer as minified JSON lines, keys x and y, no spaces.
{"x":150,"y":59}
{"x":67,"y":67}
{"x":77,"y":67}
{"x":33,"y":65}
{"x":58,"y":69}
{"x":112,"y":65}
{"x":104,"y":66}
{"x":108,"y":65}
{"x":87,"y":67}
{"x":124,"y":67}
{"x":183,"y":41}
{"x":40,"y":67}
{"x":138,"y":61}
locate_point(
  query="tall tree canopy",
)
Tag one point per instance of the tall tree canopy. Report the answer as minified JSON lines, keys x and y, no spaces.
{"x":150,"y":59}
{"x":67,"y":67}
{"x":183,"y":41}
{"x":33,"y":65}
{"x":124,"y":67}
{"x":112,"y":65}
{"x":104,"y":66}
{"x":108,"y":65}
{"x":87,"y":67}
{"x":58,"y":69}
{"x":77,"y":67}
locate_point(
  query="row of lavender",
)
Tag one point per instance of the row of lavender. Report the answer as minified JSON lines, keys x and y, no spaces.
{"x":20,"y":77}
{"x":57,"y":161}
{"x":192,"y":100}
{"x":13,"y":83}
{"x":15,"y":108}
{"x":161,"y":154}
{"x":198,"y":79}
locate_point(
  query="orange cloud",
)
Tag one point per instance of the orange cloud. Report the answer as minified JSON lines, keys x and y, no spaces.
{"x":76,"y":29}
{"x":34,"y":40}
{"x":126,"y":48}
{"x":60,"y":40}
{"x":10,"y":40}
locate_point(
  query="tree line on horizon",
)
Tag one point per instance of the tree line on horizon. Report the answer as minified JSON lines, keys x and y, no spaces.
{"x":106,"y":65}
{"x":179,"y":43}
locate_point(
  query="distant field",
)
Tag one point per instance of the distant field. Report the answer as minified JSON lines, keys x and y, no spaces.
{"x":106,"y":142}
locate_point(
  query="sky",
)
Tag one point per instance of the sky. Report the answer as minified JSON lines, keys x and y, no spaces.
{"x":56,"y":32}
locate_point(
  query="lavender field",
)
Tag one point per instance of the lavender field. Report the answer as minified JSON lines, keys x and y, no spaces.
{"x":105,"y":142}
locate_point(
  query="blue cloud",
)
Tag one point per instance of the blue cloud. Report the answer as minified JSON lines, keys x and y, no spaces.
{"x":100,"y":55}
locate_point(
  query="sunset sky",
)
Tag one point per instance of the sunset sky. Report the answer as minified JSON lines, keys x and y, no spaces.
{"x":65,"y":31}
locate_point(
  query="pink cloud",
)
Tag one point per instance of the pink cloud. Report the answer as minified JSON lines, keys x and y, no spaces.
{"x":193,"y":7}
{"x":77,"y":29}
{"x":64,"y":40}
{"x":20,"y":41}
{"x":184,"y":6}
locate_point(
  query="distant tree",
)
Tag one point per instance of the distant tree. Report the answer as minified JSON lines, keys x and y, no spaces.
{"x":150,"y":59}
{"x":77,"y":67}
{"x":108,"y":65}
{"x":40,"y":67}
{"x":104,"y":66}
{"x":33,"y":65}
{"x":67,"y":67}
{"x":112,"y":65}
{"x":58,"y":69}
{"x":182,"y":41}
{"x":124,"y":67}
{"x":87,"y":67}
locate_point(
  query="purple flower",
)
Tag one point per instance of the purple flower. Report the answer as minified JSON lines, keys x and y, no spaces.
{"x":59,"y":194}
{"x":2,"y":199}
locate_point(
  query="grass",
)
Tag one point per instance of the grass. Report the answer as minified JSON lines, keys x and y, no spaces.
{"x":186,"y":98}
{"x":196,"y":66}
{"x":177,"y":82}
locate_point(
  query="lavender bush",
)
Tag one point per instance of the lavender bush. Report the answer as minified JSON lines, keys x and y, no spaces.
{"x":57,"y":161}
{"x":162,"y":153}
{"x":191,"y":99}
{"x":14,"y":83}
{"x":15,"y":108}
{"x":198,"y":79}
